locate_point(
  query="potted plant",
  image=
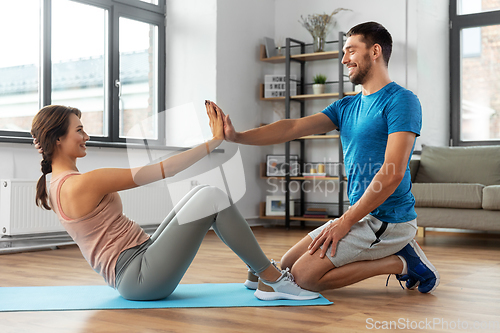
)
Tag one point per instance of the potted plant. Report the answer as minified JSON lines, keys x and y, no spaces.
{"x":317,"y":25}
{"x":319,"y":84}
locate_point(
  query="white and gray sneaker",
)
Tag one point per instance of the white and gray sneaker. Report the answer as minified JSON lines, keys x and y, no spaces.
{"x":252,"y":281}
{"x":283,"y":288}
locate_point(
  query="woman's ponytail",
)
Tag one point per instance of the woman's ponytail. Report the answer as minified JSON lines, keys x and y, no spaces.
{"x":41,"y":198}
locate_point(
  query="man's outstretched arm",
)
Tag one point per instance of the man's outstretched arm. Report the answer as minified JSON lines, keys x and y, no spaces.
{"x":278,"y":132}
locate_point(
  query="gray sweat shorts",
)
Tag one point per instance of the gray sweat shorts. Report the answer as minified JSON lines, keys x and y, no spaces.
{"x":369,"y":239}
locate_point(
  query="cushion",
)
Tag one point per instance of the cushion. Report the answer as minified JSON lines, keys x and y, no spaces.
{"x":474,"y":219}
{"x":474,"y":165}
{"x":414,"y":164}
{"x":491,"y":197}
{"x":448,"y":195}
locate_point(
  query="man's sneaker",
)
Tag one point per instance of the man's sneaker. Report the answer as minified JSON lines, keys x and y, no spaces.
{"x":411,"y":283}
{"x":284,"y":288}
{"x":419,"y":268}
{"x":252,"y":281}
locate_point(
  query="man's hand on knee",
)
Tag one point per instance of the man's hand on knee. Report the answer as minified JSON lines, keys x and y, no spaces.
{"x":331,"y":234}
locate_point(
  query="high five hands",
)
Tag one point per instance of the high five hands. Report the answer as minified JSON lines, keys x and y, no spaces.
{"x":215,"y":117}
{"x":229,"y":133}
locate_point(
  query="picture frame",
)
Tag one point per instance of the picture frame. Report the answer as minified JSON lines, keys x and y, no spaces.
{"x":276,"y":165}
{"x":270,"y":47}
{"x":275,"y":205}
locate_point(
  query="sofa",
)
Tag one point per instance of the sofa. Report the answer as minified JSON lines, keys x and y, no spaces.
{"x":457,"y":187}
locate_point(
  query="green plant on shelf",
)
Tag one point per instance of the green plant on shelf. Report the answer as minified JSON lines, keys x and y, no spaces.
{"x":319,"y":79}
{"x":319,"y":84}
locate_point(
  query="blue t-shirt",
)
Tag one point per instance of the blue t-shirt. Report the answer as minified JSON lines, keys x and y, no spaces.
{"x":365,"y":123}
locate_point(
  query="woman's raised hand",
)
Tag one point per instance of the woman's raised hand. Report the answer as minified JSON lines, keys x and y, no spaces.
{"x":215,"y":120}
{"x":229,"y":131}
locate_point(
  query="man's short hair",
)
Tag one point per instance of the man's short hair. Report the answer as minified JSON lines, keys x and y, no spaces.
{"x":374,"y":33}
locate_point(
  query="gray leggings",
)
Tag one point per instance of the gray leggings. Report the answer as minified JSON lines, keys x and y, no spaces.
{"x":153,"y":272}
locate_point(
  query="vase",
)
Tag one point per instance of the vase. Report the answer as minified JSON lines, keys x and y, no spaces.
{"x":319,"y":41}
{"x":318,"y":89}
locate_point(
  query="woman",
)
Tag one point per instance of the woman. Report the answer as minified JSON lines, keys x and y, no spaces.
{"x":141,"y":267}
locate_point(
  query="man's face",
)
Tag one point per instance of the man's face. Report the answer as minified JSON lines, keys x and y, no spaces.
{"x":357,"y":59}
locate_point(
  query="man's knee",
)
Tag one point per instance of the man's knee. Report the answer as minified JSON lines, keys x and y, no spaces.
{"x":294,"y":254}
{"x":303,"y":277}
{"x":286,"y":261}
{"x":309,"y":271}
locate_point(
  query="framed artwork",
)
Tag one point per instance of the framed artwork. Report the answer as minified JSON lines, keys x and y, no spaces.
{"x":270,"y":47}
{"x":275,"y":205}
{"x":276,"y":166}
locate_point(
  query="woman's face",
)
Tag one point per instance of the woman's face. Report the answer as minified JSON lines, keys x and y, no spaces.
{"x":73,"y":143}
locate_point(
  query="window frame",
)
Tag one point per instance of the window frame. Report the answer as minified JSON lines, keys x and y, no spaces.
{"x":150,"y":18}
{"x":159,"y":8}
{"x":132,"y":9}
{"x":457,"y":23}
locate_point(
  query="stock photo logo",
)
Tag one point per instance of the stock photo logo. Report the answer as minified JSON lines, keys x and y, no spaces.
{"x":184,"y":128}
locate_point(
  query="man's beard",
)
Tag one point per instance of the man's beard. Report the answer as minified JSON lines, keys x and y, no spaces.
{"x":360,"y":77}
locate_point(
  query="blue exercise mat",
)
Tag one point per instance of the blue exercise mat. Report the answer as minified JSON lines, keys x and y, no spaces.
{"x":69,"y":298}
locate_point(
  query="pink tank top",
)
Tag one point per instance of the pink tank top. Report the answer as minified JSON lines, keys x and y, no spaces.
{"x":103,"y":233}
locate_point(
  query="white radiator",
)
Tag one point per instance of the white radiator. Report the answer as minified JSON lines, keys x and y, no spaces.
{"x":147,"y":205}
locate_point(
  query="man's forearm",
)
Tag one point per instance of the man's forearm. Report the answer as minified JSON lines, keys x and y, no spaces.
{"x":277,"y":132}
{"x":380,"y":188}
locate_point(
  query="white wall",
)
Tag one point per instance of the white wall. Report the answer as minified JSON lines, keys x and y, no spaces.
{"x":288,"y":14}
{"x":241,"y":25}
{"x":429,"y":31}
{"x":191,"y":57}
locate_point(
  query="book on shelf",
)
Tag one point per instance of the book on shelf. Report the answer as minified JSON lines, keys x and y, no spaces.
{"x":316,"y":209}
{"x":315,"y":215}
{"x":313,"y":175}
{"x":324,"y":216}
{"x":316,"y":212}
{"x":270,"y":47}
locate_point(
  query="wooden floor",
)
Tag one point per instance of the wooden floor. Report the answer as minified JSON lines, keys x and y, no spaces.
{"x":469,"y":293}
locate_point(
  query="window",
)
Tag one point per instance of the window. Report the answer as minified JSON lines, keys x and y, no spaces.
{"x":476,"y":6}
{"x":104,"y":57}
{"x":19,"y":65}
{"x":471,"y":42}
{"x":78,"y":68}
{"x":475,"y":72}
{"x":138,"y":62}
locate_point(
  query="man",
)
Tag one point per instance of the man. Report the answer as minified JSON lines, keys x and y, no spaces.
{"x":378,"y":129}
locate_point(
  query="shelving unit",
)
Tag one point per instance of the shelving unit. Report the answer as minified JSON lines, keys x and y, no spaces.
{"x":301,"y":59}
{"x":304,"y":97}
{"x":263,"y":175}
